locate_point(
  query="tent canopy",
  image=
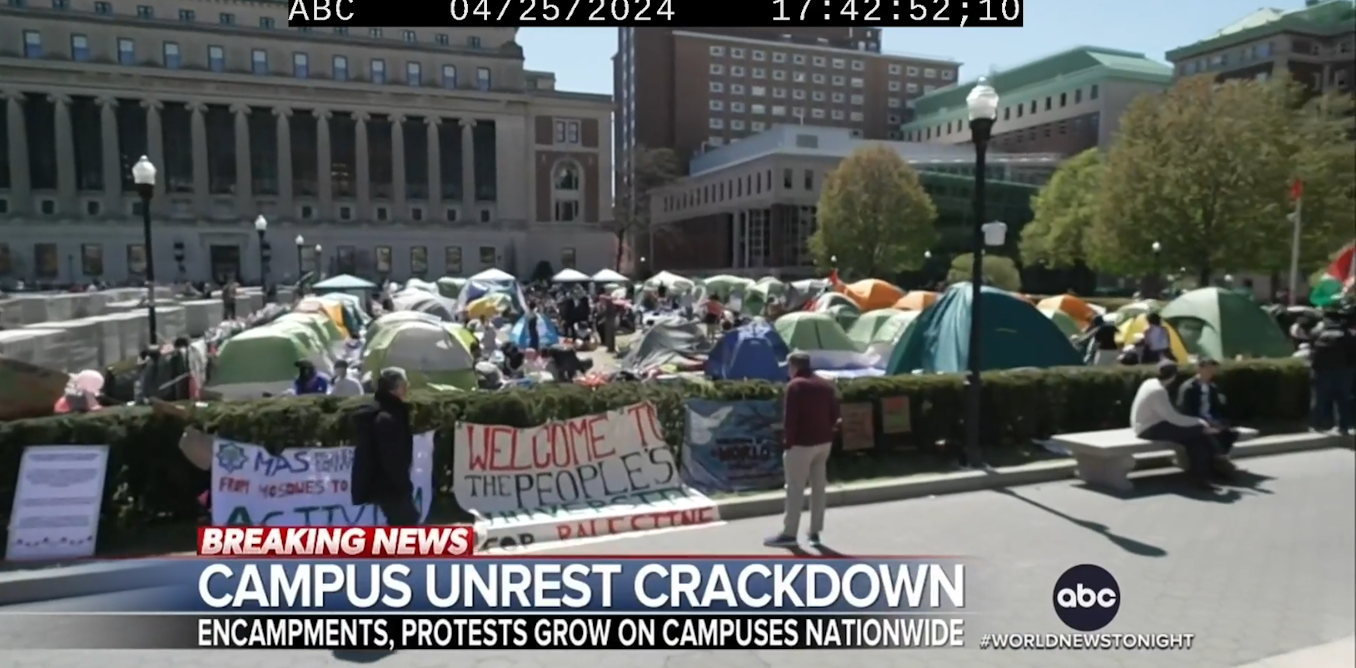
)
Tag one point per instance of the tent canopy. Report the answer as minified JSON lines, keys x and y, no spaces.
{"x":429,"y":353}
{"x":1126,"y":332}
{"x":1135,"y":309}
{"x":830,"y":299}
{"x":450,"y":286}
{"x":1223,"y":324}
{"x":1062,"y":320}
{"x":880,"y":325}
{"x":609,"y":276}
{"x":669,"y":341}
{"x":1075,"y":308}
{"x":390,"y":319}
{"x":494,"y":276}
{"x":547,"y":334}
{"x":345,"y":282}
{"x":1014,"y":335}
{"x":432,"y":304}
{"x":752,"y":352}
{"x":806,"y":330}
{"x":670,"y":281}
{"x":265,"y":355}
{"x":873,"y":293}
{"x":571,"y":276}
{"x":724,"y":284}
{"x":916,"y":300}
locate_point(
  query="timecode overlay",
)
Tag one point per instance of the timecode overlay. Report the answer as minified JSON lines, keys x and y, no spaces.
{"x":662,"y":13}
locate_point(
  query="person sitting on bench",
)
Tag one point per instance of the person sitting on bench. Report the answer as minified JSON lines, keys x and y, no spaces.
{"x":1154,"y":418}
{"x":1200,"y":397}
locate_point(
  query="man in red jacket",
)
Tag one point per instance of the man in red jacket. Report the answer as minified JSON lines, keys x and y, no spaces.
{"x":809,"y":421}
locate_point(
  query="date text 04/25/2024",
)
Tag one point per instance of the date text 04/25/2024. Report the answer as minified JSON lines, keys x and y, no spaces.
{"x":657,"y":13}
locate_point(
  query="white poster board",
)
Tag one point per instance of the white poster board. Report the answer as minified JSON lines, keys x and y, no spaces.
{"x":301,"y":486}
{"x":56,"y":502}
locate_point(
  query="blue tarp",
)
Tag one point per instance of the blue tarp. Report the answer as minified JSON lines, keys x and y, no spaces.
{"x":733,"y":446}
{"x":546,"y":332}
{"x":752,"y":352}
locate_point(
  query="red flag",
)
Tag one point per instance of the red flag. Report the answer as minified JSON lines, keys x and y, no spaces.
{"x":1344,"y":264}
{"x":833,"y":277}
{"x":1296,"y":190}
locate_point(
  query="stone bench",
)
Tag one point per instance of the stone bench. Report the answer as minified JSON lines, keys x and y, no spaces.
{"x":1106,"y":458}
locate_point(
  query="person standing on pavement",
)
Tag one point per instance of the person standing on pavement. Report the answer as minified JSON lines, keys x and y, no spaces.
{"x":1332,"y":364}
{"x":809,"y":420}
{"x":384,"y":452}
{"x":344,"y":384}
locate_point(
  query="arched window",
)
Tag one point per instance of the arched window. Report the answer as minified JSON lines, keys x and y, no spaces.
{"x":567,"y":192}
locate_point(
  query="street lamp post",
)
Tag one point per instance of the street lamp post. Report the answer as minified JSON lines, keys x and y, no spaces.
{"x":1158,"y":270}
{"x":261,"y":228}
{"x":143,"y":176}
{"x":983,"y":107}
{"x":319,"y":271}
{"x":301,"y":241}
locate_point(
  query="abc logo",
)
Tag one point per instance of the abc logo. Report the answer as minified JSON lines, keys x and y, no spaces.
{"x":1087,"y":598}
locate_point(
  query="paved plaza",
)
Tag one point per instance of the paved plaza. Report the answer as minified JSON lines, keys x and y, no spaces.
{"x":1256,"y":573}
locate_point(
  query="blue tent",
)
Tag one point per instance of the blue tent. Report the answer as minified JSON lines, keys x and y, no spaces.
{"x":752,"y":352}
{"x":546,"y":332}
{"x":1014,"y":334}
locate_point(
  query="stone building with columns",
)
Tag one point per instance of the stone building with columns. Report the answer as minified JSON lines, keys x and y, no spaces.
{"x":389,"y":152}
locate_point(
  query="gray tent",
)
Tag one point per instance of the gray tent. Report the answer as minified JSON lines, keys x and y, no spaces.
{"x":670,"y":341}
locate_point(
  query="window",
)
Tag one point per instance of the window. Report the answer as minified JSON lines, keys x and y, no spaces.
{"x":779,"y":75}
{"x":171,"y":56}
{"x":893,"y":86}
{"x":912,"y":71}
{"x":759,"y":73}
{"x":892,"y":103}
{"x":737,"y":124}
{"x":374,"y":33}
{"x":839,"y":98}
{"x":837,"y":114}
{"x":737,"y":107}
{"x":736,"y":89}
{"x":259,"y":60}
{"x":145,"y":12}
{"x":441,"y":39}
{"x":103,"y":8}
{"x":449,"y":76}
{"x":820,"y":61}
{"x":301,"y":65}
{"x":79,"y":48}
{"x":717,"y":68}
{"x":758,"y":91}
{"x":797,"y":59}
{"x":838,"y":80}
{"x":716,"y":105}
{"x":858,"y":99}
{"x":778,"y":110}
{"x":779,"y":93}
{"x":409,"y":36}
{"x":911,"y":87}
{"x":340,"y":67}
{"x":567,"y":132}
{"x":715,"y":141}
{"x":817,"y":96}
{"x":717,"y":51}
{"x":1048,"y":103}
{"x":929,"y":73}
{"x":716,"y":123}
{"x":895,"y":69}
{"x":736,"y":53}
{"x":757,"y":109}
{"x":216,"y":58}
{"x":483,"y":78}
{"x":474,"y":43}
{"x":736,"y":71}
{"x":1063,"y":99}
{"x":788,"y":178}
{"x":32,"y":44}
{"x":226,"y":19}
{"x":187,"y":16}
{"x":948,"y":75}
{"x":127,"y":52}
{"x":1078,"y":96}
{"x":759,"y":55}
{"x":1092,"y":94}
{"x":816,"y":113}
{"x":797,"y":94}
{"x":856,"y":117}
{"x":929,"y":88}
{"x":414,"y":74}
{"x":566,"y":191}
{"x":377,"y":71}
{"x":857,"y":82}
{"x":839,"y":63}
{"x":266,"y":22}
{"x":798,"y":77}
{"x":809,"y":179}
{"x":858,"y":66}
{"x":778,"y":57}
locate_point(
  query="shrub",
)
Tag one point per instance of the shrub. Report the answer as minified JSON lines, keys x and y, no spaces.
{"x":149,"y":481}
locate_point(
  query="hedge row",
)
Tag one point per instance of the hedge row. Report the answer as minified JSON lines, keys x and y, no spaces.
{"x":150,"y":482}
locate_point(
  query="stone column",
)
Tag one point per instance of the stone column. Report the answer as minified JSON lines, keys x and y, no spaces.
{"x":67,"y":202}
{"x":363,"y":170}
{"x":284,"y":141}
{"x":244,"y":181}
{"x":468,"y":169}
{"x":324,"y":164}
{"x":402,"y":209}
{"x":155,"y":152}
{"x":20,"y":188}
{"x":435,"y":177}
{"x":198,"y":133}
{"x":108,"y":133}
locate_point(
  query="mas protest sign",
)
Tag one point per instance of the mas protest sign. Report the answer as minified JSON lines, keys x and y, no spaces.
{"x":613,"y":458}
{"x":301,"y":486}
{"x":733,"y":446}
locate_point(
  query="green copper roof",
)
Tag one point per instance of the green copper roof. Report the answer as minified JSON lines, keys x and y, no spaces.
{"x":1321,"y":18}
{"x":1109,"y":63}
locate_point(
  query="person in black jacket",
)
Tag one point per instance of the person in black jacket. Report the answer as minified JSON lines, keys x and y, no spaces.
{"x":1199,"y":397}
{"x":1332,"y":365}
{"x":384,"y":452}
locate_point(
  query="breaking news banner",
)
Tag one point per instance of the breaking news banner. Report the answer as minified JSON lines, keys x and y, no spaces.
{"x":662,"y":13}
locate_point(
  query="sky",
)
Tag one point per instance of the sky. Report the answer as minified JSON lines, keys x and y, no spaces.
{"x":581,"y":57}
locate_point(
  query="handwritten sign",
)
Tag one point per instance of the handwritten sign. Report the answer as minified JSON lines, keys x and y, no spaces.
{"x":859,"y":429}
{"x":733,"y":445}
{"x":301,"y":486}
{"x":894,"y":415}
{"x":589,"y":476}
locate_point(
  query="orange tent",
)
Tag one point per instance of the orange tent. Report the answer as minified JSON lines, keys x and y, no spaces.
{"x":916,"y":300}
{"x":1072,"y":306}
{"x":872,"y":294}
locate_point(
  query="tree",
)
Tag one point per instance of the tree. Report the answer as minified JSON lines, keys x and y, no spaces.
{"x":1064,"y":210}
{"x":1204,"y":169}
{"x":874,"y":216}
{"x":1000,"y":272}
{"x":654,"y":168}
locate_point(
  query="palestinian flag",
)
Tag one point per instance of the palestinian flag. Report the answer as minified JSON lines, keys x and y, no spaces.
{"x":1338,"y":277}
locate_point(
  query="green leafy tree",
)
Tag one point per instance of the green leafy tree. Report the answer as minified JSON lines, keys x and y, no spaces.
{"x":1204,"y":169}
{"x":874,"y":216}
{"x":999,"y":271}
{"x":1064,"y":210}
{"x":654,"y":168}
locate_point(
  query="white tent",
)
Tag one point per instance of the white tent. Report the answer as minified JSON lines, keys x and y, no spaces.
{"x":609,"y":276}
{"x":494,"y":276}
{"x":571,"y":276}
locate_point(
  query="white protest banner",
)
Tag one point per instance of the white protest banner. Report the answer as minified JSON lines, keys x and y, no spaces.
{"x":301,"y":486}
{"x":57,"y":501}
{"x":594,"y":475}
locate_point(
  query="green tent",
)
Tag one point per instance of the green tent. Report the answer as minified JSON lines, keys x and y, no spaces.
{"x":264,"y":358}
{"x":450,"y":286}
{"x":1063,"y":321}
{"x":430,"y":354}
{"x":398,"y":317}
{"x":878,"y":332}
{"x":772,"y":285}
{"x":1014,"y":335}
{"x":1134,"y":310}
{"x":1224,"y":324}
{"x":845,"y":315}
{"x":804,"y":330}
